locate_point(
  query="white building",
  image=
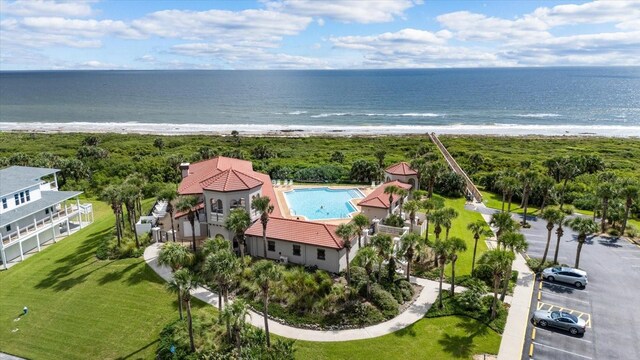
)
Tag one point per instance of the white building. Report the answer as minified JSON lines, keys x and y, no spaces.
{"x":33,"y":213}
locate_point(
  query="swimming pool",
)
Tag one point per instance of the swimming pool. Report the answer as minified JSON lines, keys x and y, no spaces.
{"x":322,"y":203}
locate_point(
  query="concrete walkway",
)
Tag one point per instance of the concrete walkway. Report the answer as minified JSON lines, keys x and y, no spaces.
{"x":515,"y":330}
{"x":412,"y":314}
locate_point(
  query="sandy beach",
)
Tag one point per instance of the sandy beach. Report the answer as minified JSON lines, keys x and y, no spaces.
{"x":311,"y":130}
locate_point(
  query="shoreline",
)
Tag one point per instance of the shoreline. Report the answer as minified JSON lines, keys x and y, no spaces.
{"x":279,"y":130}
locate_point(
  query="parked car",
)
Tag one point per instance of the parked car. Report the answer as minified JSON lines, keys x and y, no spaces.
{"x":560,"y":320}
{"x":566,"y":275}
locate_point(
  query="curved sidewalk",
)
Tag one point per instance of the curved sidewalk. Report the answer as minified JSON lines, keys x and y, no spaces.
{"x":412,"y":314}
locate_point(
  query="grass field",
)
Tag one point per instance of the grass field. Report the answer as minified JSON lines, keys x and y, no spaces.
{"x":449,"y":337}
{"x":81,"y":307}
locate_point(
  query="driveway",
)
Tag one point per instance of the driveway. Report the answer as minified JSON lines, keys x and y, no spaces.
{"x":608,"y":302}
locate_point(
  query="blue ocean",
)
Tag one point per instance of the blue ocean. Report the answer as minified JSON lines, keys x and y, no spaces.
{"x":589,"y":100}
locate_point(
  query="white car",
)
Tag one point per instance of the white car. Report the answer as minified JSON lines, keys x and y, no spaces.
{"x":567,"y":275}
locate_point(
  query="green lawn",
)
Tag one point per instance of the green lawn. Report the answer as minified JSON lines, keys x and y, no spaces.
{"x":494,"y":201}
{"x":449,"y":337}
{"x":459,"y":229}
{"x":81,"y":307}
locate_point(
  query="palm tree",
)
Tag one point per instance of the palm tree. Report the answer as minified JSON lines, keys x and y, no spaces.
{"x":630,"y":192}
{"x":188,"y":204}
{"x":391,"y":190}
{"x":176,"y":288}
{"x":130,"y":196}
{"x":605,"y":191}
{"x":509,"y":185}
{"x":456,"y":245}
{"x":222,"y":267}
{"x":111,"y":194}
{"x":408,"y":244}
{"x":175,"y":256}
{"x":428,"y":205}
{"x":553,"y":216}
{"x":450,"y":215}
{"x":238,"y":222}
{"x":235,"y":316}
{"x":433,"y":171}
{"x":513,"y":242}
{"x":368,"y":257}
{"x":265,"y":274}
{"x":384,"y":244}
{"x":498,"y":261}
{"x":561,"y":220}
{"x":584,"y":227}
{"x":545,"y":185}
{"x":262,"y":204}
{"x":478,"y":228}
{"x":345,"y":232}
{"x":438,"y":217}
{"x":169,"y":194}
{"x":504,"y":223}
{"x":412,"y":207}
{"x":402,"y":193}
{"x":360,"y":222}
{"x":188,"y":281}
{"x":528,"y":179}
{"x":441,"y":250}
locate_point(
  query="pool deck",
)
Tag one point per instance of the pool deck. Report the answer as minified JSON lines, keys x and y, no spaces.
{"x":284,"y":209}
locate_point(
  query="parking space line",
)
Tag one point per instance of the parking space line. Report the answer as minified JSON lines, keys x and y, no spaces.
{"x":579,"y":314}
{"x":531,"y":350}
{"x":566,"y":297}
{"x":561,"y":350}
{"x":533,"y":334}
{"x":566,"y":287}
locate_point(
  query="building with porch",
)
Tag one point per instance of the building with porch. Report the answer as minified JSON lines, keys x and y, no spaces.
{"x":34,"y":214}
{"x":376,"y":204}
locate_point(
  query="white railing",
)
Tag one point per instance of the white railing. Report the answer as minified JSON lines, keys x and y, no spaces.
{"x":391,"y":230}
{"x":217,"y":218}
{"x":37,"y":225}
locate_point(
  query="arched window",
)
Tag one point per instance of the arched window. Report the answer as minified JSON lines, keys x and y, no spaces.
{"x":236,"y":203}
{"x":388,"y":179}
{"x":412,"y":183}
{"x":216,"y":206}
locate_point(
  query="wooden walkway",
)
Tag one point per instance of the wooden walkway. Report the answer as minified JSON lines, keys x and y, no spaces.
{"x":471,"y":187}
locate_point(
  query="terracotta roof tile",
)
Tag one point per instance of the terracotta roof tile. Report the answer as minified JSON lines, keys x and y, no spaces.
{"x":200,"y":206}
{"x":378,"y":199}
{"x":401,"y":168}
{"x":230,"y":180}
{"x":203,"y":170}
{"x":299,"y":231}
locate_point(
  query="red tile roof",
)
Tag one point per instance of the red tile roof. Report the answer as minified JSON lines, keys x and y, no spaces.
{"x":299,"y":231}
{"x":401,"y":168}
{"x":203,"y":170}
{"x":201,"y":175}
{"x":230,"y":180}
{"x":181,"y":214}
{"x":379,"y":199}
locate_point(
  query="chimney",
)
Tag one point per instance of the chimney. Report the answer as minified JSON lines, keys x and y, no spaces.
{"x":184,"y":168}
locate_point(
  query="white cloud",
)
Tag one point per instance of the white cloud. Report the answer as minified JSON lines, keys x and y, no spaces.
{"x":358,"y":11}
{"x":472,"y":26}
{"x":45,"y":8}
{"x":595,"y":12}
{"x":252,"y":25}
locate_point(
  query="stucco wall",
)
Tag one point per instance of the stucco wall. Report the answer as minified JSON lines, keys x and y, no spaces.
{"x":374,"y":213}
{"x":335,"y":261}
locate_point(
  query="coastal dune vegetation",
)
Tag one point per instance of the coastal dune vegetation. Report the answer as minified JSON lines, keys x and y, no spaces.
{"x":599,"y":176}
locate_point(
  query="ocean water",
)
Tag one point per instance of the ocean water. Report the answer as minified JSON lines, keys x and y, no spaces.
{"x":588,"y":100}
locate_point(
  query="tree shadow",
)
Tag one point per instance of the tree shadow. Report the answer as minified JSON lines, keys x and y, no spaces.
{"x":407,"y":331}
{"x":115,"y":275}
{"x":457,"y":346}
{"x":133,"y":353}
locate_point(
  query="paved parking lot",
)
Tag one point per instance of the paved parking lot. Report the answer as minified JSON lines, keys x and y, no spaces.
{"x":608,"y":303}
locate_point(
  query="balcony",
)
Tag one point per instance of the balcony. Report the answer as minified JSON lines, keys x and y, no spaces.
{"x":40,"y":225}
{"x":217,"y":218}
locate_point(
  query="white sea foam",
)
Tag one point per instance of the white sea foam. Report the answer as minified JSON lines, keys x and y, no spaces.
{"x":333,"y":130}
{"x":323,"y":115}
{"x":538,"y":116}
{"x":299,"y":112}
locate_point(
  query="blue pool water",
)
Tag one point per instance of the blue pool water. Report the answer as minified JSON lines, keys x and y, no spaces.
{"x":322,"y":203}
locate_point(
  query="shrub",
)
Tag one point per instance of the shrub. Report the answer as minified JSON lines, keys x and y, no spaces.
{"x":632,"y":231}
{"x":384,"y":301}
{"x":613,"y":232}
{"x":406,"y":289}
{"x":483,"y":273}
{"x":363,"y":313}
{"x":358,"y":277}
{"x":534,"y":264}
{"x":394,"y":220}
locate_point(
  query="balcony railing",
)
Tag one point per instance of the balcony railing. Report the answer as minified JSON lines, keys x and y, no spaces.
{"x":37,"y":225}
{"x":217,"y":218}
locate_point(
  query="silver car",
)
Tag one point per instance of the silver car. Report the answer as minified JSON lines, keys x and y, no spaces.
{"x":566,"y":275}
{"x":560,"y":320}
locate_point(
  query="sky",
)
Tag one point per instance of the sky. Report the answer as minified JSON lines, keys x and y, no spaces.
{"x":315,"y":34}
